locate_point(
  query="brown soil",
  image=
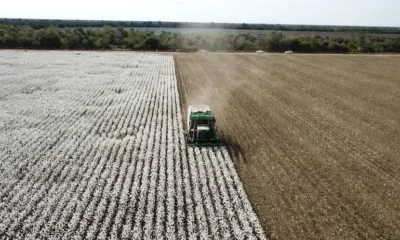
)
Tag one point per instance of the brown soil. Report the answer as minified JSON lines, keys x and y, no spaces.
{"x":315,"y":138}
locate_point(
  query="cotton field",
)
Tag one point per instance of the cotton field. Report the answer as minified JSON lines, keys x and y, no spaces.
{"x":92,"y":147}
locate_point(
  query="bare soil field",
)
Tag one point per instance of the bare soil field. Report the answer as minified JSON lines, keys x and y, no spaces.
{"x":315,"y":138}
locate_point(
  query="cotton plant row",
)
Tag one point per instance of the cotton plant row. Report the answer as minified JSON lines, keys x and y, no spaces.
{"x":111,"y":161}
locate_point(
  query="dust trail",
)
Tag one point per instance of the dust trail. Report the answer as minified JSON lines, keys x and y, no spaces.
{"x":208,"y":91}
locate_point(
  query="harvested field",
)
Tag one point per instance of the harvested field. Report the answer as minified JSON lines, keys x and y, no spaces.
{"x":92,"y":147}
{"x":315,"y":138}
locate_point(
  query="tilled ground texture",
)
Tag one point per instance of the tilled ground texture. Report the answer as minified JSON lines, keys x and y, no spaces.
{"x":315,"y":138}
{"x":92,"y":147}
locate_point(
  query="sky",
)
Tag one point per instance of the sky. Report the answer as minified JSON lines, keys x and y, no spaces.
{"x":313,"y":12}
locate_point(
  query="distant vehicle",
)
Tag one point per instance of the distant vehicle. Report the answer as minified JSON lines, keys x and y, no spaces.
{"x":289,"y":52}
{"x":260,"y":51}
{"x":203,"y":51}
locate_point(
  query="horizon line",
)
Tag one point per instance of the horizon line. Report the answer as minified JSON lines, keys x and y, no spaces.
{"x":285,"y":24}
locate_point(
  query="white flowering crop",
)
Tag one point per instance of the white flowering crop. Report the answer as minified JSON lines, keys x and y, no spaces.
{"x":92,"y":147}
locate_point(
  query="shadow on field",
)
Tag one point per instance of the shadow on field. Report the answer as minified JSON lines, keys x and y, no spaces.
{"x":235,"y":150}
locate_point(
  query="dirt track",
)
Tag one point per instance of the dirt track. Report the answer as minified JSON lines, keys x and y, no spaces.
{"x":315,"y":137}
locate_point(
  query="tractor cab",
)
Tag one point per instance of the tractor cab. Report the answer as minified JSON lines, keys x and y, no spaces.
{"x":201,"y":127}
{"x":203,"y":131}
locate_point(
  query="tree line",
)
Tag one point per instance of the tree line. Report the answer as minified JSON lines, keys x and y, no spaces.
{"x":45,"y":23}
{"x":108,"y":37}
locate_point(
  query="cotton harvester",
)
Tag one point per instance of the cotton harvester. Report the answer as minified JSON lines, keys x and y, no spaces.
{"x":201,"y":129}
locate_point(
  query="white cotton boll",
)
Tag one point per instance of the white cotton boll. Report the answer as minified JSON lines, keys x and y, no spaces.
{"x":130,"y":131}
{"x":126,"y":232}
{"x":116,"y":135}
{"x":123,"y":133}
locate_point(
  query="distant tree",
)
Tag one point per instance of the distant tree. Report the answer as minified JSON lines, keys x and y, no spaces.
{"x":108,"y":36}
{"x":336,"y":47}
{"x":87,"y":43}
{"x":26,"y":37}
{"x":165,"y":39}
{"x":262,"y":43}
{"x":205,"y":42}
{"x":49,"y":38}
{"x":274,"y":41}
{"x":293,"y":44}
{"x":120,"y":35}
{"x":178,"y":41}
{"x":223,"y":42}
{"x":115,"y":35}
{"x":72,"y":40}
{"x":151,"y":43}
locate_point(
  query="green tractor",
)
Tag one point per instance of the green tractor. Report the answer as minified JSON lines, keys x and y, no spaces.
{"x":201,"y":129}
